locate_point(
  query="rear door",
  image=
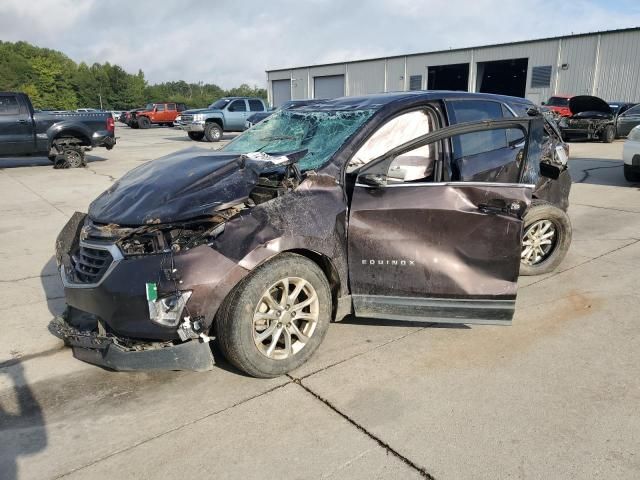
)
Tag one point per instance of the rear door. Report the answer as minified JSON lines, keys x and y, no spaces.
{"x":172,"y":113}
{"x":236,"y":115}
{"x":16,"y":126}
{"x":445,"y":248}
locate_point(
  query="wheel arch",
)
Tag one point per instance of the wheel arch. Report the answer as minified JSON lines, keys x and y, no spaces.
{"x":215,"y":120}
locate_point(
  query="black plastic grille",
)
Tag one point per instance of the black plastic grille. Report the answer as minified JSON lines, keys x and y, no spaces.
{"x":186,"y":118}
{"x":90,"y":264}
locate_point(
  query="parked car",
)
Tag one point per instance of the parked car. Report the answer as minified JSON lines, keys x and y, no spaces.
{"x":162,"y":113}
{"x":402,"y":206}
{"x":62,"y":137}
{"x":627,"y":119}
{"x":87,"y":110}
{"x":259,"y":116}
{"x":631,"y":155}
{"x":591,"y":119}
{"x":225,"y":115}
{"x":559,"y":104}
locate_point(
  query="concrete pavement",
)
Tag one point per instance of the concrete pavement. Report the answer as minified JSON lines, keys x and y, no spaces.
{"x":553,"y":396}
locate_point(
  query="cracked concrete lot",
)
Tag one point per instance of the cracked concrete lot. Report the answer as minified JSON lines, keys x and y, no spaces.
{"x":555,"y":395}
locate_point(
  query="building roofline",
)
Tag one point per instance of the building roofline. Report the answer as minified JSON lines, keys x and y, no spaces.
{"x":519,"y":42}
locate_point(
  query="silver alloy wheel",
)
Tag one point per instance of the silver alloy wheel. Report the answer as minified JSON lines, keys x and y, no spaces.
{"x":285,"y":318}
{"x":538,"y":242}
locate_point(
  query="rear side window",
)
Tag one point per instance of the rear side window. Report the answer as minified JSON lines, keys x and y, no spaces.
{"x":160,"y":108}
{"x":256,"y":106}
{"x":9,"y":105}
{"x":633,"y":111}
{"x":480,"y":142}
{"x":171,"y":106}
{"x":238,"y":106}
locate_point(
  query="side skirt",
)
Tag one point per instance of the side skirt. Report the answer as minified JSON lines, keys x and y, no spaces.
{"x":437,"y":310}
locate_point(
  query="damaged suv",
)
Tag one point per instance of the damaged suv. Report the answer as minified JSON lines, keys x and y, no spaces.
{"x":390,"y":206}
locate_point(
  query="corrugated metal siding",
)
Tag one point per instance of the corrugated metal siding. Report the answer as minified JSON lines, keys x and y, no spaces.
{"x":395,"y":74}
{"x":619,"y":67}
{"x":366,"y":77}
{"x":300,"y":84}
{"x":580,"y":54}
{"x":325,"y":71}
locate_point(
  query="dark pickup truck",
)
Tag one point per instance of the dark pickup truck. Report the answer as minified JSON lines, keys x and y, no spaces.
{"x":61,"y":136}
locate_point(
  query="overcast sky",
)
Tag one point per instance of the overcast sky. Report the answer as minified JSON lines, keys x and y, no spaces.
{"x":234,"y":42}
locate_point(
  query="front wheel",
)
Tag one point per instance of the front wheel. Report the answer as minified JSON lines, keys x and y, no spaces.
{"x":276,"y":318}
{"x":631,"y":174}
{"x":546,"y":239}
{"x":609,"y":134}
{"x":213,"y":132}
{"x":197,"y":136}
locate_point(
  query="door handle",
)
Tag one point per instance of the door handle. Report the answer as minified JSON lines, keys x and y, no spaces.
{"x":22,"y":121}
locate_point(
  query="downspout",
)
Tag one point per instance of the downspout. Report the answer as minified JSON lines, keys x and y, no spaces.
{"x":386,"y":74}
{"x":558,"y":66}
{"x":346,"y":79}
{"x":596,"y":68}
{"x":404,"y":80}
{"x":471,"y":83}
{"x":310,"y":94}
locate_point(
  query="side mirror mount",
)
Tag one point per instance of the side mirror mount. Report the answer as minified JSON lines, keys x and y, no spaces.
{"x":373,"y":180}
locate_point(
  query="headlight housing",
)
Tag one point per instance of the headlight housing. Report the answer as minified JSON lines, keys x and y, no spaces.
{"x":198,"y":117}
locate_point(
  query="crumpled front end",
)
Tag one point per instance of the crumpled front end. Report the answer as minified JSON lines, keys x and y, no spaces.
{"x":142,"y":297}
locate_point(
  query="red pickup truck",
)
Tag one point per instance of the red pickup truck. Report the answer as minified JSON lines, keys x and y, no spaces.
{"x":559,"y":104}
{"x":163,"y":113}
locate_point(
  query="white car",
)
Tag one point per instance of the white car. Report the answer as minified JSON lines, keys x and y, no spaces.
{"x":631,"y":156}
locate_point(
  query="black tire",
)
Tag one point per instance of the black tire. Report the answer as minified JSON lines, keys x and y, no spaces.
{"x":133,"y":124}
{"x":197,"y":136}
{"x":609,"y":134}
{"x":53,"y":157}
{"x":234,"y":321}
{"x":144,"y":122}
{"x":631,"y":174}
{"x":540,"y":210}
{"x":213,"y":132}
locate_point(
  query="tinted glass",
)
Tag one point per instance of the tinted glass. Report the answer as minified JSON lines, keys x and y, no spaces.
{"x":160,"y":108}
{"x":633,"y":111}
{"x":238,"y":106}
{"x":478,"y":142}
{"x":558,"y":102}
{"x":9,"y":105}
{"x":256,"y":106}
{"x":171,"y":106}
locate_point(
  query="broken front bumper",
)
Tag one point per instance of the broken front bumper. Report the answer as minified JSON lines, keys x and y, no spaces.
{"x":123,"y":355}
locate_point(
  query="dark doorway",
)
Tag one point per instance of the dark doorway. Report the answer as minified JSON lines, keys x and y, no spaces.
{"x":506,"y":77}
{"x":448,"y":77}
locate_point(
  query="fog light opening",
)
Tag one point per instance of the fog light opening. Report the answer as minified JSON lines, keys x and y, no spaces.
{"x":167,"y":310}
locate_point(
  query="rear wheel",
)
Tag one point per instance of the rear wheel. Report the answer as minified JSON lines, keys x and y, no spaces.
{"x":144,"y":122}
{"x":213,"y":132}
{"x":197,"y":136}
{"x":609,"y":134}
{"x":276,"y":318}
{"x":546,"y":239}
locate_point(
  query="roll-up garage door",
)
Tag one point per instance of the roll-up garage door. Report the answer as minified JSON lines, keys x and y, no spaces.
{"x":331,"y":86}
{"x":281,"y":91}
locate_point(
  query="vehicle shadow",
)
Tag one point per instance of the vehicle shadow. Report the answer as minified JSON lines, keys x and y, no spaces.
{"x":599,"y":171}
{"x":18,"y":162}
{"x":22,"y":426}
{"x":382,"y":322}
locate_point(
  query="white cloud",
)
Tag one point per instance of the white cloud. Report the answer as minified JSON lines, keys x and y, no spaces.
{"x":230,"y":42}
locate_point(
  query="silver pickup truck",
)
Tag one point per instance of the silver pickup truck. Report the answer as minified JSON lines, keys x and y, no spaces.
{"x":225,"y":115}
{"x":61,"y":136}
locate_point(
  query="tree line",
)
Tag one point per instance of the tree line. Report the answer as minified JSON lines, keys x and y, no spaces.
{"x":54,"y":81}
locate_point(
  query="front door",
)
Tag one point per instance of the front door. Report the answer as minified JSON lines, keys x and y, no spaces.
{"x":440,"y":248}
{"x":16,"y":127}
{"x":236,"y":115}
{"x":627,"y":121}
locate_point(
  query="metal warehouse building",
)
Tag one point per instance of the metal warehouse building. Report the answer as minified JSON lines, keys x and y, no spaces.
{"x":605,"y":64}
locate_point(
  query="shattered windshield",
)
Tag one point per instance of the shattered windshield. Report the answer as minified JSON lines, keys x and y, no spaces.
{"x":322,"y":133}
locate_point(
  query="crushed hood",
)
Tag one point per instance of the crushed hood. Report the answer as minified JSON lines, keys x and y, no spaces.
{"x":182,"y":186}
{"x":588,"y":103}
